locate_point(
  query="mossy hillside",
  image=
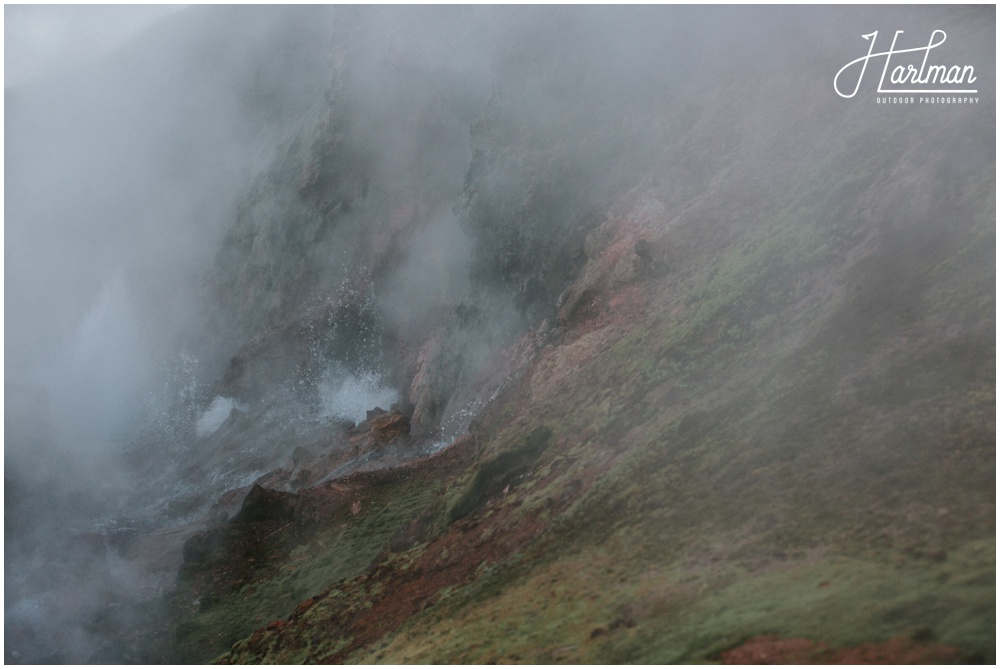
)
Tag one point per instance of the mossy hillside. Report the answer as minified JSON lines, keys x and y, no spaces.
{"x":684,"y":471}
{"x":625,"y":600}
{"x":430,"y":579}
{"x":584,"y":604}
{"x":314,"y":634}
{"x":789,"y":438}
{"x":601,"y":605}
{"x":314,"y":556}
{"x":782,"y":275}
{"x":808,"y":409}
{"x":578,"y":607}
{"x":775,"y":460}
{"x":843,"y":600}
{"x":724,"y":463}
{"x":520,"y":612}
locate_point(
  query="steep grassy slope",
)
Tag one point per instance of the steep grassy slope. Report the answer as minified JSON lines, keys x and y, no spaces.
{"x":753,"y":397}
{"x":786,"y":428}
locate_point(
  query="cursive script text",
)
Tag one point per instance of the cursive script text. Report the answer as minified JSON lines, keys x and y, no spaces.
{"x":907,"y":76}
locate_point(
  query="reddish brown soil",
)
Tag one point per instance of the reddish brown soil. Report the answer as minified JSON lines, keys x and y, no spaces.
{"x":393,"y":592}
{"x":774,"y":650}
{"x":449,"y":562}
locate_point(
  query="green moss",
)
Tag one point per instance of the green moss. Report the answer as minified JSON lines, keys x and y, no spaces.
{"x":841,"y":601}
{"x":339,"y":549}
{"x":500,"y":473}
{"x":608,"y":603}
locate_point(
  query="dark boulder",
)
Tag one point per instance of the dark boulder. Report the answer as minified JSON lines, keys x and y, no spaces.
{"x":644,"y":249}
{"x":374,"y":413}
{"x":263,"y":505}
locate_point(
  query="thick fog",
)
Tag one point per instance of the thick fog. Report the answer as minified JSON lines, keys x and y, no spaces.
{"x":120,"y":179}
{"x":43,"y":39}
{"x":156,"y":220}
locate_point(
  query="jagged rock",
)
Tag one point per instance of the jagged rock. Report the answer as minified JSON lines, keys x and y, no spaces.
{"x":389,"y":427}
{"x":262,"y":504}
{"x":381,"y":429}
{"x":427,"y":388}
{"x":374,"y":413}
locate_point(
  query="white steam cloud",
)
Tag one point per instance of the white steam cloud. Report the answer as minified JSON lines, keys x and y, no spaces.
{"x":215,"y":415}
{"x":350,"y":396}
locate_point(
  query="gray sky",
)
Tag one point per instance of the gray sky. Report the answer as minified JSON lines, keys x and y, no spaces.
{"x":43,"y":39}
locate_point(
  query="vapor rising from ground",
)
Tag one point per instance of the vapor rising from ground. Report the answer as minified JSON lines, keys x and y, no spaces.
{"x":121,"y":177}
{"x":232,"y":238}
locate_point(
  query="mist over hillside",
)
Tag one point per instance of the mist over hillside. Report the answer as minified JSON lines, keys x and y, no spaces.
{"x":621,"y":330}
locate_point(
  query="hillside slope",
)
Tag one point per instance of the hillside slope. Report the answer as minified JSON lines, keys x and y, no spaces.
{"x":717,"y":381}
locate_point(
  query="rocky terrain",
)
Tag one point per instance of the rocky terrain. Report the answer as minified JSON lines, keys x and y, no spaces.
{"x":586,"y":352}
